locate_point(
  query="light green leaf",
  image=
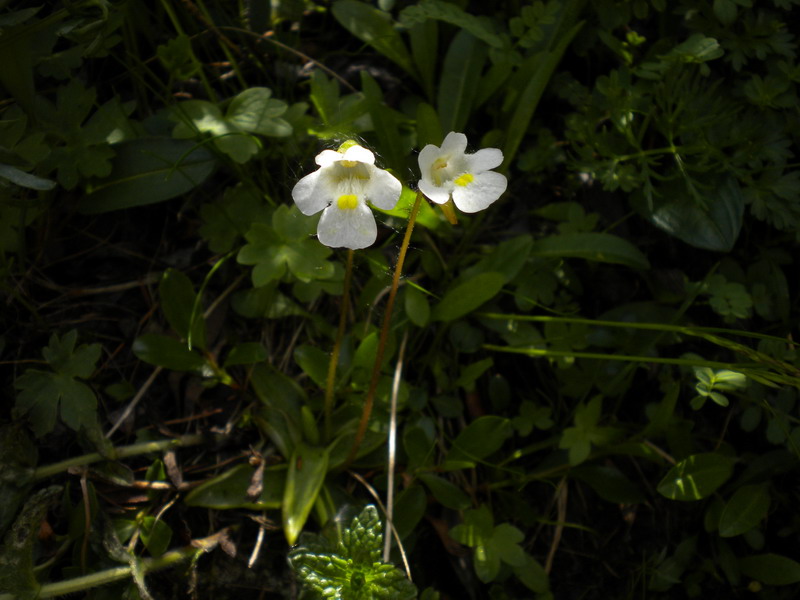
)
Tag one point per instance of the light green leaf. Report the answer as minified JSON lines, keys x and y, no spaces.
{"x":598,"y":247}
{"x":307,"y":468}
{"x":416,"y":305}
{"x":696,"y":477}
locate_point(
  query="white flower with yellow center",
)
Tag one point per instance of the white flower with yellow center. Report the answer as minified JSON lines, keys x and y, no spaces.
{"x":340,"y":188}
{"x":448,"y":171}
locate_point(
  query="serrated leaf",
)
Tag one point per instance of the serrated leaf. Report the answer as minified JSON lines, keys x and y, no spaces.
{"x":484,"y":436}
{"x":253,"y":110}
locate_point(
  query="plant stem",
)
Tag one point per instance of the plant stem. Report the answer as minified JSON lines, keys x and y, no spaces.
{"x":387,"y":318}
{"x":85,"y":582}
{"x":337,"y":345}
{"x":122,"y":452}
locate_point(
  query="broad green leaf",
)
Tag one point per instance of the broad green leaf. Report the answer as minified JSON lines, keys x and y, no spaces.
{"x":156,"y":535}
{"x":307,"y":468}
{"x":247,"y":353}
{"x":447,"y":493}
{"x":314,"y":363}
{"x":424,"y":38}
{"x":178,"y":297}
{"x":598,"y":247}
{"x":479,"y":439}
{"x":241,"y":487}
{"x":416,"y":305}
{"x":696,"y":477}
{"x":253,"y":110}
{"x":771,"y":569}
{"x":167,"y":352}
{"x":714,"y":226}
{"x":745,"y":510}
{"x":458,"y":86}
{"x":374,"y":27}
{"x":609,"y":483}
{"x":146,"y":171}
{"x":409,"y":509}
{"x":429,"y":126}
{"x":468,"y":296}
{"x":532,"y":80}
{"x":533,"y":575}
{"x":384,"y":122}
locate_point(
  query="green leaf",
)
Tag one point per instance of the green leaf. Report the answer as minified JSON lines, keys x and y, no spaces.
{"x":609,"y":483}
{"x":167,"y":352}
{"x":531,"y":80}
{"x":350,"y":569}
{"x":696,"y":477}
{"x":468,"y":296}
{"x":18,"y":458}
{"x":314,"y":363}
{"x":384,"y":122}
{"x":247,"y":353}
{"x":254,"y":111}
{"x":461,"y":74}
{"x":449,"y":12}
{"x":178,"y":297}
{"x":771,"y":569}
{"x":484,"y":436}
{"x":598,"y":247}
{"x":307,"y":468}
{"x":374,"y":27}
{"x":416,"y":306}
{"x":715,"y":226}
{"x":445,"y":492}
{"x":156,"y":535}
{"x":745,"y":510}
{"x":243,"y":486}
{"x":146,"y":171}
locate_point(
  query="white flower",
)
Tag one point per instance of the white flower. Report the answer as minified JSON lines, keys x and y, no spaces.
{"x":340,"y":188}
{"x":467,"y":178}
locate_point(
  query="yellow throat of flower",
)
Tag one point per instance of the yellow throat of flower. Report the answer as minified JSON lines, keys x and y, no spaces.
{"x":347,"y":202}
{"x":464,"y":180}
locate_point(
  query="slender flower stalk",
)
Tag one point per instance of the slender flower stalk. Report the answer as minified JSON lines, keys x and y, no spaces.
{"x":384,"y":335}
{"x":337,"y":345}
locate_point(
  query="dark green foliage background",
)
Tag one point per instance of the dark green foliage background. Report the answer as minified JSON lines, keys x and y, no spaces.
{"x":598,"y":396}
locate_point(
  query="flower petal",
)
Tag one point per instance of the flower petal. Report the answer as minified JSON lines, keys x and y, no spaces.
{"x":310,"y":194}
{"x":359,"y":154}
{"x":440,"y":195}
{"x":427,"y":156}
{"x":484,"y":160}
{"x":350,"y":228}
{"x":383,"y":189}
{"x":327,"y":157}
{"x":454,"y":143}
{"x":484,"y":189}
